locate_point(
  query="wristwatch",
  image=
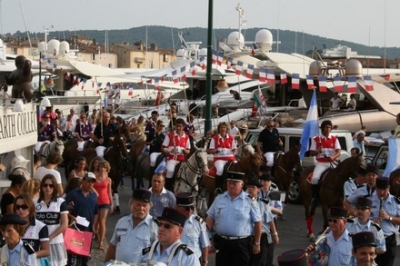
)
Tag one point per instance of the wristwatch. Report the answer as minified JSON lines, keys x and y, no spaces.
{"x":390,"y":218}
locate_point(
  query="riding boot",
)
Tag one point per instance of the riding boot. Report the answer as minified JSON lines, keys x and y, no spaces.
{"x":314,"y":198}
{"x":218,"y":184}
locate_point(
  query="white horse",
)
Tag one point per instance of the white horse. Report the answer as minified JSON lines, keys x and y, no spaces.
{"x":244,"y":150}
{"x":55,"y":147}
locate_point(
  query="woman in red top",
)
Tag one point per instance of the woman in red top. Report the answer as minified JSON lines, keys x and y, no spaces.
{"x":104,"y":199}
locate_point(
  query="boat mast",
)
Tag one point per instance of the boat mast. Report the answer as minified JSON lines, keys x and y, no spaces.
{"x":26,"y":29}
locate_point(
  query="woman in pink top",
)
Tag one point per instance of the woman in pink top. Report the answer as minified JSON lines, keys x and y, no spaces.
{"x":104,"y":199}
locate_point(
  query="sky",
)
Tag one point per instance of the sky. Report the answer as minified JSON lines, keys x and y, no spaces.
{"x":368,"y":22}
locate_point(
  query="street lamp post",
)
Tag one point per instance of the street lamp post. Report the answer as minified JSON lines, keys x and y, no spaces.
{"x":207,"y":124}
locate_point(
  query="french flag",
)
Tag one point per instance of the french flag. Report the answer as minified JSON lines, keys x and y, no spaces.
{"x":271,"y":76}
{"x":220,"y":58}
{"x":310,"y":82}
{"x":183,"y":73}
{"x":352,"y":84}
{"x":322,"y":84}
{"x":386,"y":77}
{"x":262,"y":77}
{"x":214,"y":57}
{"x":203,"y":63}
{"x":283,"y":78}
{"x":295,"y":81}
{"x":157,"y":83}
{"x":193,"y":68}
{"x":175,"y":76}
{"x":337,"y":83}
{"x":130,"y":91}
{"x":368,"y":83}
{"x":249,"y":72}
{"x":229,"y":63}
{"x":239,"y":67}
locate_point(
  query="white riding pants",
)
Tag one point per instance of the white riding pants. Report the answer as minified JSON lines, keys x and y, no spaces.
{"x":153,"y":158}
{"x":269,"y":156}
{"x":171,"y":164}
{"x":219,"y":165}
{"x":318,"y":170}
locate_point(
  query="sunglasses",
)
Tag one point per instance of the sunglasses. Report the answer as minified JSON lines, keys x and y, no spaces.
{"x":48,"y":185}
{"x":165,"y":225}
{"x":23,"y":206}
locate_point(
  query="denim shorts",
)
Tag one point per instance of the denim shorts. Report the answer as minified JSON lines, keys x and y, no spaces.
{"x":104,"y":206}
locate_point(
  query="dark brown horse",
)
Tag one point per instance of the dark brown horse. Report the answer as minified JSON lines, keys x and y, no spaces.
{"x":250,"y":165}
{"x":284,"y":165}
{"x":71,"y":153}
{"x":135,"y":151}
{"x":395,"y":183}
{"x":331,"y":189}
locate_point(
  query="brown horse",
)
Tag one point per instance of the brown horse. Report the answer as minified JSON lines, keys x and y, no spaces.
{"x":250,"y":165}
{"x":331,"y":188}
{"x":71,"y":153}
{"x":284,"y":165}
{"x":395,"y":183}
{"x":135,"y":151}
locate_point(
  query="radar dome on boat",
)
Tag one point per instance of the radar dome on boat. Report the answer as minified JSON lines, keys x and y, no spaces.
{"x":181,"y":54}
{"x":53,"y":47}
{"x":264,"y":39}
{"x":235,"y":40}
{"x":64,"y":48}
{"x":42,"y":47}
{"x":353,"y":68}
{"x":203,"y":52}
{"x":315,"y":68}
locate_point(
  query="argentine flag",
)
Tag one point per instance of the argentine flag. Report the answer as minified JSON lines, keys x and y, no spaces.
{"x":162,"y":167}
{"x":311,"y":126}
{"x":393,"y":160}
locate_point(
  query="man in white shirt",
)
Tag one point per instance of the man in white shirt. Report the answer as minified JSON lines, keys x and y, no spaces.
{"x":335,"y":103}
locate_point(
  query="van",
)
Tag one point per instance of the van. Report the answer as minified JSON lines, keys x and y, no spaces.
{"x":291,"y":137}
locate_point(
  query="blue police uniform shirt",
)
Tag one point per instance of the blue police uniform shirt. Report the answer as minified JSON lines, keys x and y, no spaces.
{"x":181,"y":258}
{"x":363,"y":191}
{"x":234,"y":217}
{"x":392,"y":208}
{"x":195,"y":234}
{"x":355,"y":227}
{"x":340,"y":250}
{"x":266,"y":215}
{"x":130,"y":241}
{"x":14,"y":256}
{"x":165,"y":199}
{"x":350,"y":186}
{"x":273,"y":203}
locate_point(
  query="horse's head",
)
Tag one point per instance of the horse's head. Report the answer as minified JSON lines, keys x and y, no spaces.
{"x":201,"y":158}
{"x":294,"y":157}
{"x":57,"y":146}
{"x":350,"y":166}
{"x":119,"y":144}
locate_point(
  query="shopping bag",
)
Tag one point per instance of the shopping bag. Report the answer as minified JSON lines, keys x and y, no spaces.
{"x":78,"y":242}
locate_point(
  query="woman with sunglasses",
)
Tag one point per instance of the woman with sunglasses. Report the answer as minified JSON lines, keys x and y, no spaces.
{"x":104,"y":200}
{"x":52,"y":210}
{"x":36,"y":233}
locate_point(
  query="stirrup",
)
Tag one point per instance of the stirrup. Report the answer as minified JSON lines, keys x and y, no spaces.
{"x":218,"y":191}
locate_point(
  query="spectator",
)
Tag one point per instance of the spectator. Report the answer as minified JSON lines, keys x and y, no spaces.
{"x":233,"y":130}
{"x":94,"y":163}
{"x":53,"y":160}
{"x":160,"y":197}
{"x":52,"y":210}
{"x":359,"y":143}
{"x":36,"y":232}
{"x":31,"y":187}
{"x":8,"y":198}
{"x":71,"y":185}
{"x":335,"y":102}
{"x":37,"y":162}
{"x":352,"y":105}
{"x":80,"y":168}
{"x":67,"y":125}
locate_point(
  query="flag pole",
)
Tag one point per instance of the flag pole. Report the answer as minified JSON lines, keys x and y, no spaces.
{"x":207,"y":124}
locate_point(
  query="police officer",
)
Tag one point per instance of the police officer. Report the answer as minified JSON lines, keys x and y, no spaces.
{"x":270,"y":191}
{"x":387,"y":208}
{"x":363,"y":249}
{"x":235,"y":216}
{"x":134,"y":231}
{"x":363,"y":223}
{"x":195,"y":231}
{"x":269,"y":235}
{"x":338,"y":239}
{"x":169,"y":248}
{"x":352,"y":184}
{"x":365,"y":191}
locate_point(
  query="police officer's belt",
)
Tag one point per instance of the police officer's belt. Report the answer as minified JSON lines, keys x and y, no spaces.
{"x":234,"y":237}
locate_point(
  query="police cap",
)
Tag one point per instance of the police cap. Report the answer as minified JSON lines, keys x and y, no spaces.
{"x":173,"y":216}
{"x":141,"y":194}
{"x":363,"y":202}
{"x":382,"y":182}
{"x":371,"y":169}
{"x":235,"y":176}
{"x":254,"y":182}
{"x":363,"y":239}
{"x":338,"y":212}
{"x":185,"y":199}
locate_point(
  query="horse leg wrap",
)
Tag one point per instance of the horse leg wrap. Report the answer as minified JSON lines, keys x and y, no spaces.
{"x":309,"y":221}
{"x":116,"y":199}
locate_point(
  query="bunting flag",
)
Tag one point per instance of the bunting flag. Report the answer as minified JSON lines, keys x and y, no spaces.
{"x":220,"y":58}
{"x":368,"y":83}
{"x":183,"y":73}
{"x":149,"y":81}
{"x":158,"y":98}
{"x":386,"y":77}
{"x":352,"y":84}
{"x":310,"y":128}
{"x":283,"y":78}
{"x":99,"y":84}
{"x":249,"y":72}
{"x":337,"y":83}
{"x":203,"y":63}
{"x":214,"y":57}
{"x":141,"y":83}
{"x":239,"y":67}
{"x":130,"y":92}
{"x":322,"y":84}
{"x":175,"y":76}
{"x":92,"y":83}
{"x":193,"y":68}
{"x":310,"y":82}
{"x":270,"y":76}
{"x":295,"y":81}
{"x":229,"y":63}
{"x":262,"y":77}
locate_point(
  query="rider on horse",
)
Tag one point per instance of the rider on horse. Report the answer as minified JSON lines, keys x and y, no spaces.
{"x":155,"y":139}
{"x":270,"y":141}
{"x":47,"y":132}
{"x":326,"y":148}
{"x":104,"y":134}
{"x":223,"y":146}
{"x":83,"y":131}
{"x":176,"y":144}
{"x":151,"y":126}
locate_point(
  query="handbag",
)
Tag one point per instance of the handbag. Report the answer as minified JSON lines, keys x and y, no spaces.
{"x":78,"y":242}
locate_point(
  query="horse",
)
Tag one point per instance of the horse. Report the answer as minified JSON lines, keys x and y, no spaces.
{"x":244,"y":150}
{"x":135,"y":151}
{"x":284,"y":165}
{"x":395,"y":183}
{"x":71,"y":153}
{"x":55,"y":147}
{"x":249,"y":165}
{"x":190,"y":172}
{"x":331,"y":188}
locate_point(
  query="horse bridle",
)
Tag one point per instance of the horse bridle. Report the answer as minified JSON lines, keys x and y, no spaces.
{"x":200,"y":165}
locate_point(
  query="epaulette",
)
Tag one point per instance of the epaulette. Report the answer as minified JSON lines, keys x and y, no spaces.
{"x":377,"y":226}
{"x":250,"y":197}
{"x":146,"y":250}
{"x":273,"y":185}
{"x":349,"y":220}
{"x":29,"y":248}
{"x":266,"y":201}
{"x":397,"y":199}
{"x":198,"y":218}
{"x":186,"y":249}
